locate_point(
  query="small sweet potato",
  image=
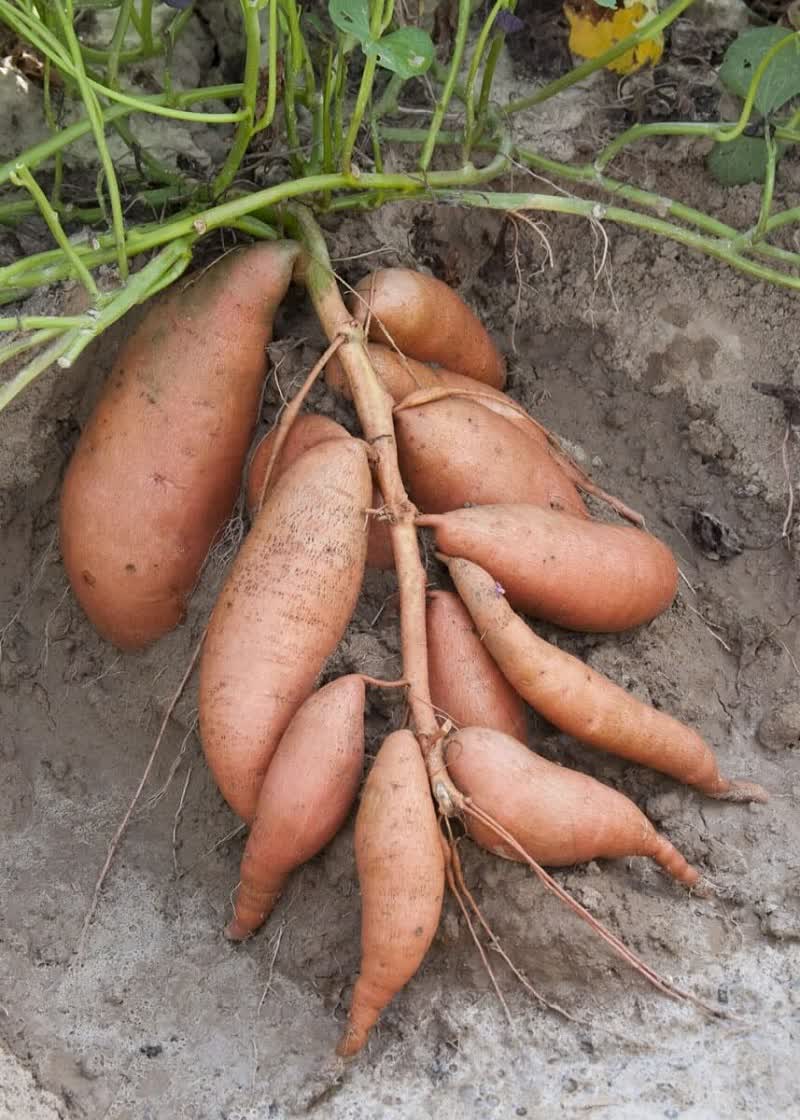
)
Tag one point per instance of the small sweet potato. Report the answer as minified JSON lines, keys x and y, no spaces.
{"x":158,"y":466}
{"x":401,"y":874}
{"x":281,"y":613}
{"x":577,"y":573}
{"x":427,"y":320}
{"x":582,"y":702}
{"x":559,"y":816}
{"x":466,"y":685}
{"x":309,"y":787}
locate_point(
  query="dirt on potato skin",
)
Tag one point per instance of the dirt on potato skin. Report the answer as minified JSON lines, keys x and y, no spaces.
{"x":645,"y":372}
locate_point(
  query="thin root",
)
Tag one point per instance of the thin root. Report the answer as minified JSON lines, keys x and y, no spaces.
{"x":290,"y":415}
{"x":619,"y":947}
{"x":451,"y":859}
{"x":458,"y":873}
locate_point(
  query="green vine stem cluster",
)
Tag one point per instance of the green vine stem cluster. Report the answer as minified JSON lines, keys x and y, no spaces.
{"x":292,"y":64}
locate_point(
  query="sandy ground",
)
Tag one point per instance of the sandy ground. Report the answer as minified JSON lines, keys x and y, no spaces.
{"x":645,"y":372}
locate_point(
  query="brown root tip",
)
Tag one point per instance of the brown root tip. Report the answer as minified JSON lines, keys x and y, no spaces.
{"x":741,"y":791}
{"x":351,"y":1042}
{"x":236,"y":930}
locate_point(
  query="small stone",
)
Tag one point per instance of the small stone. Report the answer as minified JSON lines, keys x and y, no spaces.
{"x":662,"y":389}
{"x":60,"y":768}
{"x":617,"y":418}
{"x":705,"y":438}
{"x":694,"y":412}
{"x":780,"y":727}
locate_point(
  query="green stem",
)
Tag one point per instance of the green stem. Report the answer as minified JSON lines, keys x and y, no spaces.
{"x":472,"y":74}
{"x":495,"y":200}
{"x":449,"y":85}
{"x":769,"y":185}
{"x":648,"y":30}
{"x":359,"y":109}
{"x":44,"y":268}
{"x":272,"y":72}
{"x":20,"y":345}
{"x":98,"y":129}
{"x":488,"y":77}
{"x":24,"y":178}
{"x":37,"y":322}
{"x":157,"y":273}
{"x":244,"y":129}
{"x":146,"y":23}
{"x":117,"y":39}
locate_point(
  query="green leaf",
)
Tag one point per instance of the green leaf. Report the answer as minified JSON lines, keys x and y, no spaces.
{"x":407,"y":52}
{"x":351,"y":17}
{"x":781,"y":80}
{"x":743,"y":160}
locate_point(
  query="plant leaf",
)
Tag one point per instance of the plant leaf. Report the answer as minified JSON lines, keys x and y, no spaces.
{"x":743,"y":160}
{"x":781,"y":81}
{"x":407,"y":52}
{"x":351,"y":17}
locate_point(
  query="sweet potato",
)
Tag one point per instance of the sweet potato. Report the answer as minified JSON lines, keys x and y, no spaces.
{"x":401,"y":874}
{"x":559,"y":816}
{"x":307,"y":431}
{"x":582,"y":574}
{"x":281,"y":613}
{"x":158,"y":466}
{"x":466,"y":685}
{"x":309,"y":787}
{"x":427,"y":320}
{"x":456,"y":452}
{"x":583,"y":703}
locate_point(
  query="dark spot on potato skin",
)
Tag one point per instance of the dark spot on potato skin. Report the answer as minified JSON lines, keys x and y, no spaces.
{"x":130,"y":567}
{"x":88,"y":578}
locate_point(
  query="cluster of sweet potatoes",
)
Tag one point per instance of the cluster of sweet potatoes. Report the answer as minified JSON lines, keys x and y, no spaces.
{"x":154,"y":479}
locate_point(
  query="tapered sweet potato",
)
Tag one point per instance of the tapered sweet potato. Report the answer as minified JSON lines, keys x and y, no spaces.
{"x":401,"y":874}
{"x":307,"y":431}
{"x":427,"y":320}
{"x":559,"y":816}
{"x":308,"y":789}
{"x":158,"y":466}
{"x":466,"y":685}
{"x":584,"y":703}
{"x":456,"y":452}
{"x":281,"y":613}
{"x":582,"y":574}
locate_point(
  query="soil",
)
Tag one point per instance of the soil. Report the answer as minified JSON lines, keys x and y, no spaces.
{"x":643,"y":367}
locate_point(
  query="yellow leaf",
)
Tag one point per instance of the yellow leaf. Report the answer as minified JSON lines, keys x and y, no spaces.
{"x":594,"y":30}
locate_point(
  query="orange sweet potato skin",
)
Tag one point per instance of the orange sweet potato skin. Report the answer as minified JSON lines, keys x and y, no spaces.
{"x":158,"y":466}
{"x":456,"y":452}
{"x":466,"y":685}
{"x":427,"y":320}
{"x":307,"y":431}
{"x":574,"y":572}
{"x":401,"y":875}
{"x":309,"y":787}
{"x":559,"y":816}
{"x":281,"y":613}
